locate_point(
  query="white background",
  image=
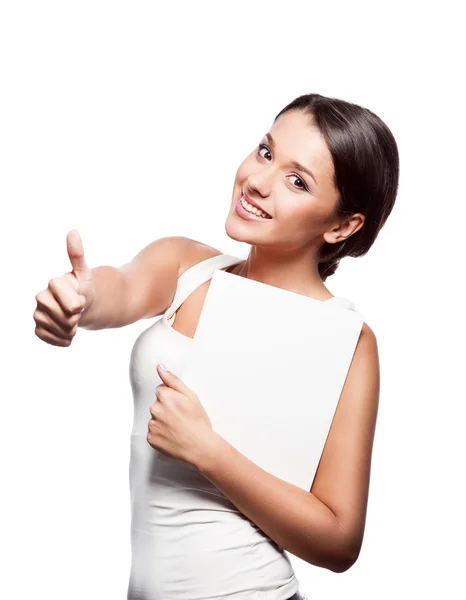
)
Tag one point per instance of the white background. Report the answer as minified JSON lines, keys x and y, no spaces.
{"x":127,"y":121}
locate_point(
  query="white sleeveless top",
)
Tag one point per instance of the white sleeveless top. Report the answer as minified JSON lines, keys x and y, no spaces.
{"x":188,"y":541}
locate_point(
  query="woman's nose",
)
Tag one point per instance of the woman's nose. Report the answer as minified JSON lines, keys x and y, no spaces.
{"x":260,"y":183}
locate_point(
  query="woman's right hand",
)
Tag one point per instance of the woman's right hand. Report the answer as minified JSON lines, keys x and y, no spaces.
{"x":61,"y":305}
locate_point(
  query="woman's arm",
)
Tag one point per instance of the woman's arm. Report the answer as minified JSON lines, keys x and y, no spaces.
{"x":140,"y":289}
{"x":324,"y":526}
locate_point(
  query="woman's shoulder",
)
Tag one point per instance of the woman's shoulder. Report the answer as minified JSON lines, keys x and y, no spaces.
{"x":367,"y":353}
{"x":195,"y":252}
{"x":368,"y":333}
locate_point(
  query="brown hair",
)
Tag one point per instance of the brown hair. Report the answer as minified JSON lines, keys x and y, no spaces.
{"x":366,"y":170}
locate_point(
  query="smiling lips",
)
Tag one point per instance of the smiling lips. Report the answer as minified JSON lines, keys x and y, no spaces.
{"x":252,"y":203}
{"x":246,"y":214}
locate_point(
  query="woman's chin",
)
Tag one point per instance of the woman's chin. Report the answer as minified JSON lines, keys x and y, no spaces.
{"x":234,"y":228}
{"x":237,"y":229}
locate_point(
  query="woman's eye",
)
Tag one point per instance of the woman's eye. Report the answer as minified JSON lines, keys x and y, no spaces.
{"x":262,"y":147}
{"x":301,"y":186}
{"x":302,"y":182}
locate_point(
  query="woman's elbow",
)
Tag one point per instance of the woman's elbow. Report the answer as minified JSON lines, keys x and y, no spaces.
{"x":347,"y":561}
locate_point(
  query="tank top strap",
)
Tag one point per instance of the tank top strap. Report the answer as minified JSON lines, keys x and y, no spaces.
{"x":195,"y":276}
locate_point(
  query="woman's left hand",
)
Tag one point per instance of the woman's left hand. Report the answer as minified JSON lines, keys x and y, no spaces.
{"x":179,"y":426}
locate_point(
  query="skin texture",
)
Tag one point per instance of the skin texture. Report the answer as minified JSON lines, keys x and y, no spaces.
{"x":325,"y":525}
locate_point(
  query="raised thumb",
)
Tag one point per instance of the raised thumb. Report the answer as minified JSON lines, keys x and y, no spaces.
{"x":75,"y":250}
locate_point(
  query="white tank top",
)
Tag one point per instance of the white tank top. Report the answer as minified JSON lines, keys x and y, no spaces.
{"x":188,"y":541}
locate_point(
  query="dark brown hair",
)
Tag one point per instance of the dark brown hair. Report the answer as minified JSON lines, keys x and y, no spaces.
{"x":366,"y":170}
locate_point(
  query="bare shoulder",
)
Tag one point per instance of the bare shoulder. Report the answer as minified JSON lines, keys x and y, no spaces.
{"x":195,"y":252}
{"x":367,"y":355}
{"x":367,"y":343}
{"x":151,"y":278}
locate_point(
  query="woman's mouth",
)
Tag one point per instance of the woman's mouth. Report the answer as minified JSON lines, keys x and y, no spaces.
{"x":248,"y":212}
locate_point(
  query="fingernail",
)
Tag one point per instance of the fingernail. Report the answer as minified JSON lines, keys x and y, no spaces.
{"x":163,"y":367}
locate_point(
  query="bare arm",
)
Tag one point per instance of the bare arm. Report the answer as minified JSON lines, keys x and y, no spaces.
{"x":107,"y":309}
{"x":140,"y":289}
{"x":343,"y":475}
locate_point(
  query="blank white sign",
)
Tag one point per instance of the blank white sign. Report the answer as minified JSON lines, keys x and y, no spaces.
{"x":269,"y":366}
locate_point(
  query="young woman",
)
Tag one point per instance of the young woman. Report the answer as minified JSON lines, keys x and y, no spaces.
{"x":206,"y":521}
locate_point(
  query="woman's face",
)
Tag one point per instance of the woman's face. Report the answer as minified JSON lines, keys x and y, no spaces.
{"x":301,"y":206}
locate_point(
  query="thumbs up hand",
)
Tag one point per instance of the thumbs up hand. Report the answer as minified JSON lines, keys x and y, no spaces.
{"x":81,"y":271}
{"x":61,"y":305}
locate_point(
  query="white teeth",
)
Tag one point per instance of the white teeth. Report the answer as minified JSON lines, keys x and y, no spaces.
{"x":252,"y":209}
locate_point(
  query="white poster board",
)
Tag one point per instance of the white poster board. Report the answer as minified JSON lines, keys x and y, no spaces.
{"x":269,"y":365}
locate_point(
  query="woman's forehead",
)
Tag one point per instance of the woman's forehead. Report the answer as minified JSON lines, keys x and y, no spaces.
{"x":297,"y":138}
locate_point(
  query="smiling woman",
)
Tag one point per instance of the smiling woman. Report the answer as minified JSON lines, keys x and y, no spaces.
{"x":206,"y":522}
{"x":327,"y":173}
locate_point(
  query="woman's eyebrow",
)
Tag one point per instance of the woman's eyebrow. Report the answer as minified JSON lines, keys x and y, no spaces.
{"x":292,"y":162}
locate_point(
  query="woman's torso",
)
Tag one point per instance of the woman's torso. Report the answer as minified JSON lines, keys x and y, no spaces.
{"x":188,"y":540}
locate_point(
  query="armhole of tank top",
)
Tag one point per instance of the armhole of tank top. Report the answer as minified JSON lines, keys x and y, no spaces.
{"x":188,"y":280}
{"x":195,"y":267}
{"x":183,"y":277}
